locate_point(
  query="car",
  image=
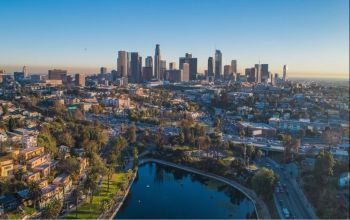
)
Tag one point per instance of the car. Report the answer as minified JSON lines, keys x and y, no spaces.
{"x":286,"y":212}
{"x":70,"y":206}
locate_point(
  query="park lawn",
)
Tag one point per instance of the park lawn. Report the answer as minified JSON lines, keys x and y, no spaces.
{"x":84,"y":208}
{"x":20,"y":215}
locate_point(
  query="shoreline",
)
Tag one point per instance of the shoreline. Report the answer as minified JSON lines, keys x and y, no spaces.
{"x":261,"y":213}
{"x":119,"y":204}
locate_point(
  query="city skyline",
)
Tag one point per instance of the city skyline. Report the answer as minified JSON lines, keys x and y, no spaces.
{"x":83,"y":43}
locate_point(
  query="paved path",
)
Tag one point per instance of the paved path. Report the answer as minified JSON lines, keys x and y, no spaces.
{"x":259,"y":205}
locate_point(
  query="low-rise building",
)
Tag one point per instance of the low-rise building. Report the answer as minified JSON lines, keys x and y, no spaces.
{"x":6,"y":167}
{"x":31,"y":152}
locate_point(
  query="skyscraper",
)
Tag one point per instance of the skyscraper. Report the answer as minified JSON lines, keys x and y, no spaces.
{"x":25,"y":71}
{"x":250,"y":74}
{"x":103,"y":70}
{"x":210,"y":66}
{"x":157,"y":59}
{"x":122,"y":63}
{"x":149,"y":61}
{"x":135,"y":68}
{"x":227,"y":72}
{"x":162,"y":69}
{"x":57,"y":74}
{"x":80,"y":79}
{"x":218,"y":64}
{"x":264,"y":72}
{"x":257,"y":73}
{"x":172,"y":66}
{"x":234,"y":66}
{"x":192,"y":65}
{"x":285,"y":68}
{"x":185,"y":72}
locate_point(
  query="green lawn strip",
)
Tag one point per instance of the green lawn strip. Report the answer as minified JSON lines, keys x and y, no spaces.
{"x":84,"y":208}
{"x":20,"y":215}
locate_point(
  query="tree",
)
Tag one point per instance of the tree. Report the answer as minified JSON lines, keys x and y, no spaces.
{"x":135,"y":154}
{"x":217,"y":124}
{"x":90,"y":185}
{"x":105,"y":205}
{"x":52,"y":210}
{"x":4,"y":109}
{"x":11,"y":124}
{"x":66,"y":139}
{"x":71,"y":166}
{"x":34,"y":192}
{"x":238,"y":166}
{"x":76,"y":194}
{"x":47,"y":141}
{"x":324,"y":164}
{"x":131,"y":133}
{"x":331,"y":137}
{"x":264,"y":182}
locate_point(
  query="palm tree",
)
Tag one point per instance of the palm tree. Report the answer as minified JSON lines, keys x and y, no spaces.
{"x":34,"y":192}
{"x":76,"y":195}
{"x":110,"y":173}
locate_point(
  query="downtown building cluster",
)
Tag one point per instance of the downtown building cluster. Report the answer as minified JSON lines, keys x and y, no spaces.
{"x":130,"y":69}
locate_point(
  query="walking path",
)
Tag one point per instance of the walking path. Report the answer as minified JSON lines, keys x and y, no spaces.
{"x":259,"y":205}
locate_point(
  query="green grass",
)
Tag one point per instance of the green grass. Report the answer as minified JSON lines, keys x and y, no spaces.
{"x":20,"y":215}
{"x":87,"y":211}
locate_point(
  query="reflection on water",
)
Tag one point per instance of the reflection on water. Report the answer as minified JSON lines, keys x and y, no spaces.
{"x":165,"y":192}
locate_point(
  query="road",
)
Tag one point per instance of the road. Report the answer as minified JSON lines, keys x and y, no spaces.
{"x":288,"y":193}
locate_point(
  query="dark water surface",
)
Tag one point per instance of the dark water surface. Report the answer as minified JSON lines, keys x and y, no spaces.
{"x":161,"y":191}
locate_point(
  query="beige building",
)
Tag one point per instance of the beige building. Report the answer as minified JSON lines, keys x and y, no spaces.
{"x":6,"y":167}
{"x":80,"y":79}
{"x":185,"y":72}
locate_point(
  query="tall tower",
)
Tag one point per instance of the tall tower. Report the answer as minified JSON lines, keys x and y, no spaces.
{"x":257,"y":73}
{"x":25,"y":71}
{"x":218,"y":64}
{"x":122,"y":63}
{"x":210,"y":66}
{"x":149,"y":61}
{"x":285,"y":68}
{"x":234,"y":66}
{"x":157,"y":59}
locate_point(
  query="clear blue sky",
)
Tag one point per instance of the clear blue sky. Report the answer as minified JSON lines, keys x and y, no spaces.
{"x":311,"y":36}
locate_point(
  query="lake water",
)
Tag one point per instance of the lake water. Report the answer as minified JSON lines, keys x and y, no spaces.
{"x":163,"y":192}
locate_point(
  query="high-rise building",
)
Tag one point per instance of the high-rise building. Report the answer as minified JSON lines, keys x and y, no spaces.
{"x":234,"y":66}
{"x":185,"y":72}
{"x":25,"y":71}
{"x":80,"y":79}
{"x":210,"y":66}
{"x":149,"y":61}
{"x":136,"y":68}
{"x":128,"y":55}
{"x":227,"y":72}
{"x":174,"y":75}
{"x":162,"y":69}
{"x":122,"y":63}
{"x":192,"y":65}
{"x":264,"y":72}
{"x":147,"y":73}
{"x":114,"y":74}
{"x":172,"y":66}
{"x":2,"y":72}
{"x":250,"y":74}
{"x":157,"y":60}
{"x":58,"y":74}
{"x":257,"y":73}
{"x":103,"y":70}
{"x":285,"y":68}
{"x":218,"y":64}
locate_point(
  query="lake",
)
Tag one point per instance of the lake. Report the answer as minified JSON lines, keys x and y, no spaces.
{"x":163,"y":192}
